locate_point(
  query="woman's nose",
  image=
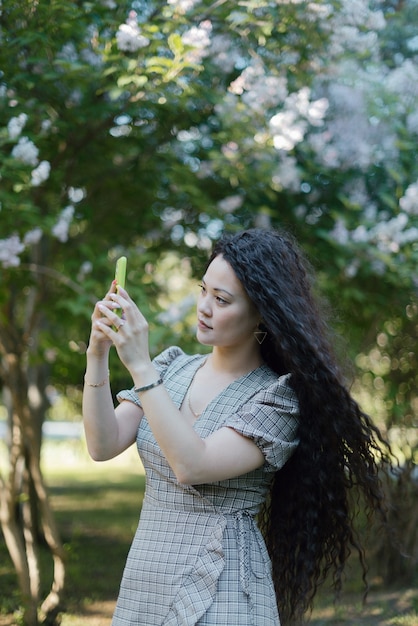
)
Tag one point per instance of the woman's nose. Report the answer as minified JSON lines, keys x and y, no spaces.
{"x":203,"y":306}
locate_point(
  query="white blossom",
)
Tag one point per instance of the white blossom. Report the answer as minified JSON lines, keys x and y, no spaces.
{"x":91,"y":58}
{"x":350,"y":136}
{"x":40,"y":174}
{"x":61,"y":228}
{"x":68,"y":53}
{"x":316,"y":111}
{"x":230,"y":204}
{"x":340,"y":232}
{"x":360,"y":234}
{"x":287,"y":130}
{"x":289,"y":126}
{"x":385,"y":236}
{"x":287,"y":174}
{"x":76,"y":194}
{"x":314,"y":10}
{"x":198,"y":38}
{"x":409,"y":235}
{"x":412,"y":122}
{"x":183,"y":5}
{"x":388,"y":234}
{"x":403,"y":82}
{"x":258,"y":90}
{"x":128,"y":37}
{"x":412,"y":44}
{"x":10,"y":249}
{"x":351,"y":270}
{"x":32,"y":236}
{"x":26,"y":151}
{"x":353,"y":28}
{"x":16,"y":125}
{"x":409,"y":201}
{"x":86,"y":268}
{"x":223,"y":53}
{"x":350,"y":38}
{"x":46,"y":125}
{"x":230,"y":150}
{"x":265,"y":92}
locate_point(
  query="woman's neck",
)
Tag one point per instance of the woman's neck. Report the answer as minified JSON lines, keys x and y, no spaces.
{"x":235,"y":362}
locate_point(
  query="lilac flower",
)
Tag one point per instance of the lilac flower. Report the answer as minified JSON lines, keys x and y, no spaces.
{"x":16,"y":125}
{"x":41,"y":173}
{"x":10,"y":249}
{"x":198,"y":37}
{"x":32,"y":236}
{"x":409,"y":201}
{"x":26,"y":151}
{"x":128,"y":37}
{"x":61,"y":228}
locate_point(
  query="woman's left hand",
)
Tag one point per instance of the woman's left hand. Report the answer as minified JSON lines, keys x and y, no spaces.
{"x":128,"y":333}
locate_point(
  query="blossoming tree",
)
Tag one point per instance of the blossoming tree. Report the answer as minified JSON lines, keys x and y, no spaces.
{"x":148,"y":126}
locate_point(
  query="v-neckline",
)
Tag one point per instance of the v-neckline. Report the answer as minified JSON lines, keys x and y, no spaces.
{"x":201,"y":362}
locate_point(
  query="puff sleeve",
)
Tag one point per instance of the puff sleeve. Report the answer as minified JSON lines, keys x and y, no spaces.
{"x":270,"y":419}
{"x":161,"y":363}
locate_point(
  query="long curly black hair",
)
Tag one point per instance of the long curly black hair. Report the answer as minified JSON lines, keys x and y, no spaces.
{"x":309,"y":517}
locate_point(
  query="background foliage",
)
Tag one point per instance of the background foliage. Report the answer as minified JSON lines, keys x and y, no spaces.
{"x":148,"y":127}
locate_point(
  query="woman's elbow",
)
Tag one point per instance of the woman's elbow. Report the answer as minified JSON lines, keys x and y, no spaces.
{"x":187,"y":475}
{"x":97,"y":454}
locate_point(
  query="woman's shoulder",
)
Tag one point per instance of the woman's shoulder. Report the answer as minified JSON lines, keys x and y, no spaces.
{"x":174,"y":357}
{"x":267,"y":381}
{"x":168,"y":363}
{"x":270,"y":417}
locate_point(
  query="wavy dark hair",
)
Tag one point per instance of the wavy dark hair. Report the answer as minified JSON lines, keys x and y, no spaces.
{"x":309,"y":518}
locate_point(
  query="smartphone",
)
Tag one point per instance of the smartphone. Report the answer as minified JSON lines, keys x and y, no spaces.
{"x":120,"y":277}
{"x":120,"y":272}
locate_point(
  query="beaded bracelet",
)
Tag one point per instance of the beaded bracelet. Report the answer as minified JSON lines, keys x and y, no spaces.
{"x":147,"y":387}
{"x":101,"y":384}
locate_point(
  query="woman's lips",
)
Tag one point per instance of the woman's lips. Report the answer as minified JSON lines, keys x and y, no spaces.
{"x":201,"y":324}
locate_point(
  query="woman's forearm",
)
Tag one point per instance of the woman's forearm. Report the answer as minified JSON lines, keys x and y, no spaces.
{"x":99,"y":418}
{"x":100,"y":424}
{"x":179,"y":442}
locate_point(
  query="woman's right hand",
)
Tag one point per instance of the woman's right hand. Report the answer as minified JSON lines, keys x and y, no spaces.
{"x":99,"y":342}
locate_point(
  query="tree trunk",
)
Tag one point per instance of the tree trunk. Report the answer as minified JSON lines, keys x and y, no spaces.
{"x":396,"y":560}
{"x":11,"y":524}
{"x":23,"y":499}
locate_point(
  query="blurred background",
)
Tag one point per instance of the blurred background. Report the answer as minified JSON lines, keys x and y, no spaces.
{"x":147,"y":128}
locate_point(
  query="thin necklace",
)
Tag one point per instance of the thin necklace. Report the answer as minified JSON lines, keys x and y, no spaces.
{"x":189,"y":393}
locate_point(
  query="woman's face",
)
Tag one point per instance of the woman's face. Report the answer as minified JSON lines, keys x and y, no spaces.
{"x":226,"y":315}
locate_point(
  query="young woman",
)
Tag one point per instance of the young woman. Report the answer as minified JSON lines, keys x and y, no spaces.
{"x":261,"y":429}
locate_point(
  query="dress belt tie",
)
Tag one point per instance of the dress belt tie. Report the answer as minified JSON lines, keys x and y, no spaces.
{"x":243,"y":522}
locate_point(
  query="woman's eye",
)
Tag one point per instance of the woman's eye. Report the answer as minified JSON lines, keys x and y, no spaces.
{"x":221,"y":300}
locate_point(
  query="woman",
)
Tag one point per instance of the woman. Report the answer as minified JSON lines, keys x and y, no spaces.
{"x":261,"y":428}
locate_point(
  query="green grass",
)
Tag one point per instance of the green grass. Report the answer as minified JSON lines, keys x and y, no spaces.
{"x":97,"y":519}
{"x":97,"y":508}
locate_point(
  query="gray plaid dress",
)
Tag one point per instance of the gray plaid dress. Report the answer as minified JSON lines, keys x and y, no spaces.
{"x":198,"y":557}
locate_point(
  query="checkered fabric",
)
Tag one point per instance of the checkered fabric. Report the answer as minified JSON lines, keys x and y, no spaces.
{"x":198,"y":557}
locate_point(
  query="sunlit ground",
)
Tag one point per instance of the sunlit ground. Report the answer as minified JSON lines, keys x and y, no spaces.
{"x":104,"y":493}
